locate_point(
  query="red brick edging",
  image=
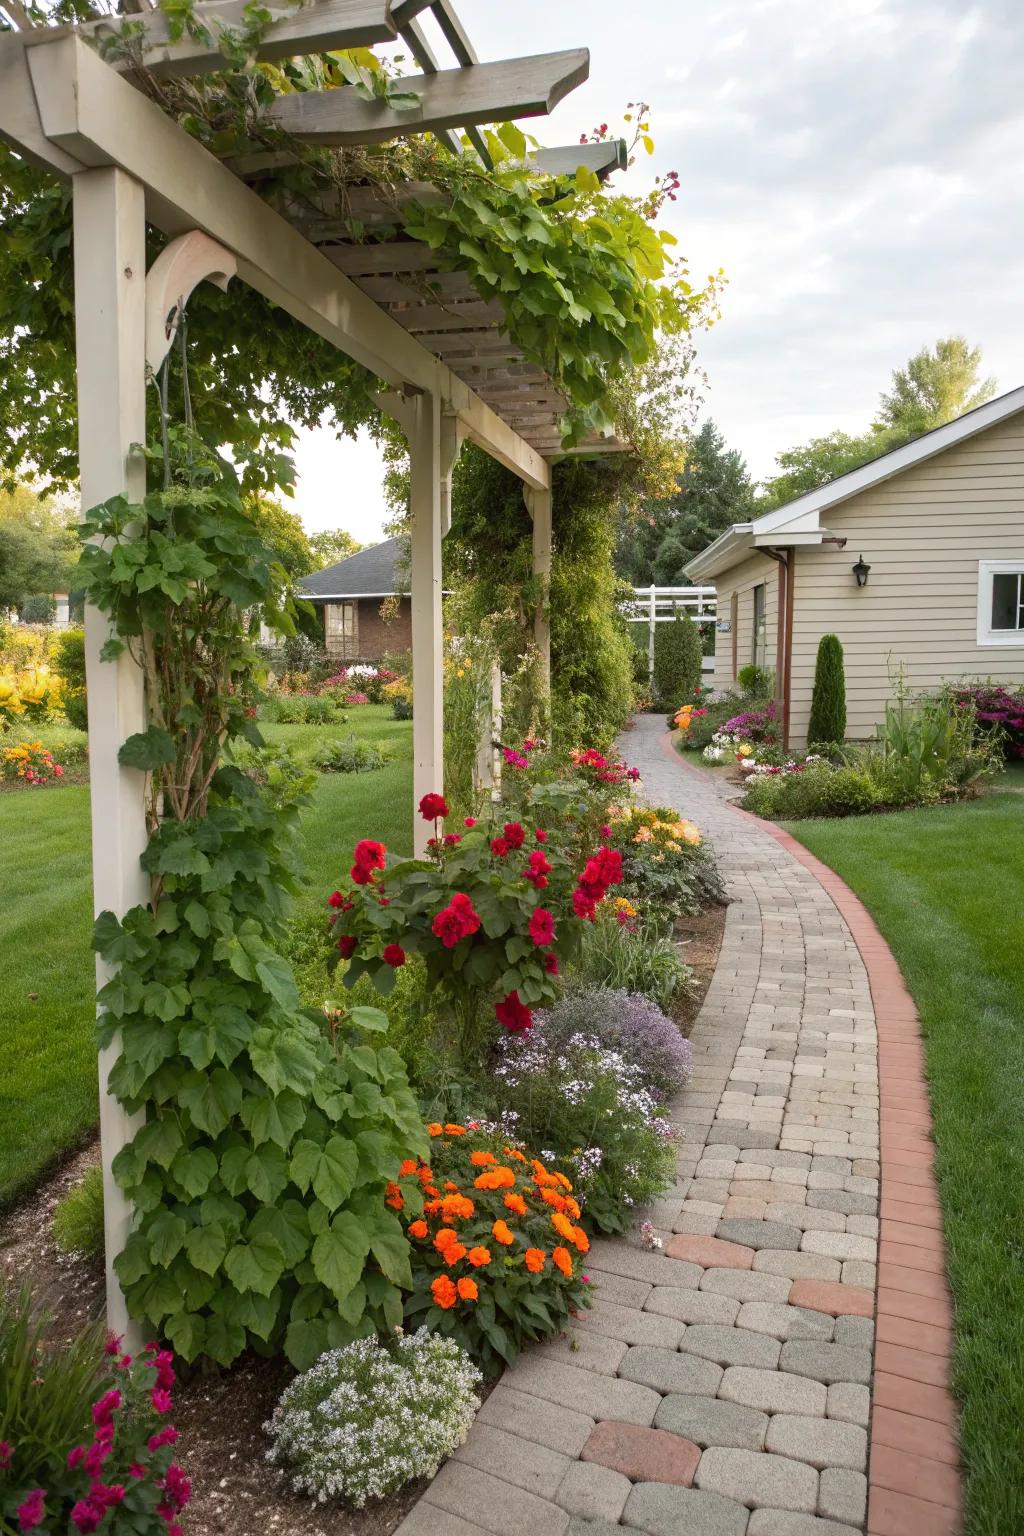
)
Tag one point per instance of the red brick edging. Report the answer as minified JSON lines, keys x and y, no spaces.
{"x":914,"y":1482}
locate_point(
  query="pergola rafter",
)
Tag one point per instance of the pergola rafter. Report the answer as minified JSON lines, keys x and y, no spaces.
{"x":439,"y":347}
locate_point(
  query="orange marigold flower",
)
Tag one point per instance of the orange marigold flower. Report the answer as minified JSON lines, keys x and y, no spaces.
{"x":418,"y":1229}
{"x":393,"y":1197}
{"x":443,"y":1292}
{"x":515,"y":1203}
{"x":560,"y":1178}
{"x":444,"y":1238}
{"x":545,"y":1180}
{"x":553,"y":1198}
{"x":432,"y":1206}
{"x":456,"y":1207}
{"x":481,"y":1159}
{"x":563,"y":1260}
{"x":495,"y":1178}
{"x":572,"y":1208}
{"x":514,"y":1152}
{"x":536,"y":1258}
{"x":537,"y":1165}
{"x":503,"y":1233}
{"x":478,"y":1257}
{"x":425,"y":1174}
{"x":580,"y":1240}
{"x":563,"y":1226}
{"x":434,"y":1129}
{"x":453,"y":1253}
{"x":452,"y":1189}
{"x":467,"y":1290}
{"x":455,"y":1130}
{"x":429,"y":1189}
{"x":409,"y":1166}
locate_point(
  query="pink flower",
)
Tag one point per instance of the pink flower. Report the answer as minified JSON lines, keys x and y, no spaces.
{"x":165,"y":1369}
{"x":113,"y":1344}
{"x":105,"y":1407}
{"x":451,"y":838}
{"x":76,"y":1456}
{"x":166,"y":1436}
{"x":551,"y":964}
{"x":177,"y":1486}
{"x":161,"y":1400}
{"x":6,"y":1452}
{"x":583,"y":905}
{"x":31,"y":1511}
{"x":58,"y":771}
{"x":136,"y":1470}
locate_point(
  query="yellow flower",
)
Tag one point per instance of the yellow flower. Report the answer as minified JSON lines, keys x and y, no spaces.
{"x":622,"y":905}
{"x":643,"y":835}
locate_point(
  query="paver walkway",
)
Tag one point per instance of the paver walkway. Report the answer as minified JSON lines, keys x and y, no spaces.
{"x":720,"y":1387}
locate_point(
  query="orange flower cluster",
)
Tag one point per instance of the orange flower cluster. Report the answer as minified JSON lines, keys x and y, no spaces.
{"x":516,"y":1215}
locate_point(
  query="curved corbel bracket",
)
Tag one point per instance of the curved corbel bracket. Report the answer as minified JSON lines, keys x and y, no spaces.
{"x":181,"y":266}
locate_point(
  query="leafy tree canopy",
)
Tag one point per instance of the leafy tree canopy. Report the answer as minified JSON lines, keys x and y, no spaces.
{"x":937,"y":385}
{"x":38,"y":548}
{"x":282,"y":532}
{"x":331,"y":545}
{"x":713,"y":490}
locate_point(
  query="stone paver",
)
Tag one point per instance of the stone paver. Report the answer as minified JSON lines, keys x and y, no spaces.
{"x":738,"y":1358}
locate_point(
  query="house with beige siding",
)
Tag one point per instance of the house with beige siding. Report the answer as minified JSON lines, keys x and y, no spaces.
{"x":939,"y":524}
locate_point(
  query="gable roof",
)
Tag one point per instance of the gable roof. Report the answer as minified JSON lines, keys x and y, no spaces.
{"x":373,"y":572}
{"x":799,"y":520}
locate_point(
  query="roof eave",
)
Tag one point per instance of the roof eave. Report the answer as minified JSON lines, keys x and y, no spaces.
{"x":723,"y":553}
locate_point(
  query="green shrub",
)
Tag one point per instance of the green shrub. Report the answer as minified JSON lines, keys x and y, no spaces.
{"x":350,"y":756}
{"x":631,"y":959}
{"x":367,"y":1419}
{"x":846,"y":792}
{"x":677,"y":660}
{"x":756,"y":682}
{"x":819,"y":790}
{"x":78,"y":1219}
{"x":301,"y":709}
{"x":828,"y":696}
{"x":69,"y":664}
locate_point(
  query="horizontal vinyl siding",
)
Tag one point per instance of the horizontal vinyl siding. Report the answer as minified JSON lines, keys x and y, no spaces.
{"x":922,"y":533}
{"x":742,"y":580}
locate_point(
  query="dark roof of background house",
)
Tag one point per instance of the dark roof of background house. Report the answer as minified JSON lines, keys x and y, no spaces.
{"x":373,"y":572}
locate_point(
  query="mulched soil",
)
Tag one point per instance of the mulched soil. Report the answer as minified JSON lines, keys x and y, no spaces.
{"x":700,"y":939}
{"x":220,"y":1414}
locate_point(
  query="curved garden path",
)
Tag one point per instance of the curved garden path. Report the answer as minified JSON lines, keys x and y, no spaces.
{"x":727,"y":1385}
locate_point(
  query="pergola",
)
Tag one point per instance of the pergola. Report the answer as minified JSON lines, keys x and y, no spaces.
{"x":450,"y":370}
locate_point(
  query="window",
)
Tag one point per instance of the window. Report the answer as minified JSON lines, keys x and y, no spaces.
{"x":759,"y":648}
{"x":1001,"y":602}
{"x":341,"y":630}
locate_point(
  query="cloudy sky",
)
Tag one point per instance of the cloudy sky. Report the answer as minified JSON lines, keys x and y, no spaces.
{"x":854,"y":165}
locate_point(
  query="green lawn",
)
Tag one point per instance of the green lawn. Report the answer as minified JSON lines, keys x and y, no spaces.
{"x":48,"y":1079}
{"x":946,"y":887}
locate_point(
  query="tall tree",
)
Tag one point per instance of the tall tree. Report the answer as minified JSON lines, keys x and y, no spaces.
{"x":38,"y":547}
{"x":937,"y":385}
{"x":282,"y":531}
{"x":331,"y":545}
{"x":714,"y":490}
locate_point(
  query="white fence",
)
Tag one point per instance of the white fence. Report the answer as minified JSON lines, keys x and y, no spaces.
{"x":659,"y":605}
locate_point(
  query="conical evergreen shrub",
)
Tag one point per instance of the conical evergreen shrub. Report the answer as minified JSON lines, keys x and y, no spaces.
{"x":828,"y":698}
{"x":677,"y":661}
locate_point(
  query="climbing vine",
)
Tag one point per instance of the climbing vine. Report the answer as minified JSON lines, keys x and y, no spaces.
{"x":260,"y":1176}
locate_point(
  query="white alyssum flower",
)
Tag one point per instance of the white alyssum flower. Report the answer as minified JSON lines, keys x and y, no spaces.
{"x":366,"y":1419}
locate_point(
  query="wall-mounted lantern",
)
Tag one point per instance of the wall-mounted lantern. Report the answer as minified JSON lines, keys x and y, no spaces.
{"x":860,"y":571}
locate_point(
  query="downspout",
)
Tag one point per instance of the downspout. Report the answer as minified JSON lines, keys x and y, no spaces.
{"x":786,"y":560}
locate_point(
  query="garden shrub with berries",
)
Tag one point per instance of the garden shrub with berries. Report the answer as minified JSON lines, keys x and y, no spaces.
{"x":495,"y":912}
{"x":86,"y":1439}
{"x":497,"y":1247}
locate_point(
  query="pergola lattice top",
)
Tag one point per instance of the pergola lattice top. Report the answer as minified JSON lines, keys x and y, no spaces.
{"x":441,"y":309}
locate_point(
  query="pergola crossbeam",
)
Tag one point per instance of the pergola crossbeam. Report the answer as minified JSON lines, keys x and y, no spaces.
{"x":451,"y":98}
{"x":314,"y":28}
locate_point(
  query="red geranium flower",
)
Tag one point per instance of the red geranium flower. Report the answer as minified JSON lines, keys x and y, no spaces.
{"x":369,"y":854}
{"x":451,"y":838}
{"x":432,"y":806}
{"x":393,"y":954}
{"x":541,"y":835}
{"x":499,"y":847}
{"x":513,"y":1014}
{"x":347,"y":945}
{"x":515,"y":835}
{"x":551,"y":964}
{"x":542,"y":926}
{"x":470,"y":821}
{"x":583,"y":905}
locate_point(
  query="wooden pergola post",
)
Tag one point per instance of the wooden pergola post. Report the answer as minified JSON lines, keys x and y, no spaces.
{"x":110,"y":330}
{"x":538,"y":503}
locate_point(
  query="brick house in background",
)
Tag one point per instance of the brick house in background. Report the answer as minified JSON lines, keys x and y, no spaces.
{"x":366,"y":612}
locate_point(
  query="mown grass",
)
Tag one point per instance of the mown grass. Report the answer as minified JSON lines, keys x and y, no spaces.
{"x":48,"y":1101}
{"x":946,"y":887}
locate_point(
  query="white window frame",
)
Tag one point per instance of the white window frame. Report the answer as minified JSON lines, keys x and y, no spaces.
{"x":986,"y":570}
